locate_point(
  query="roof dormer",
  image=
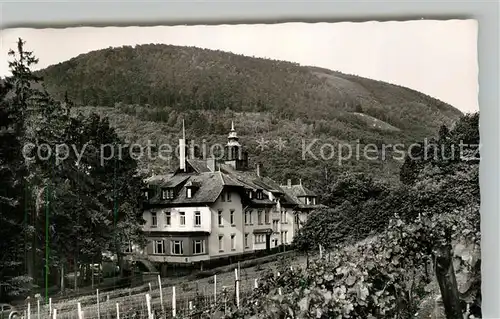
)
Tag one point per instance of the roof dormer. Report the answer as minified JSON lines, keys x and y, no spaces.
{"x":191,"y":188}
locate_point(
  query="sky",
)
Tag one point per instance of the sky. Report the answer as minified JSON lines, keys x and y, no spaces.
{"x":438,"y":58}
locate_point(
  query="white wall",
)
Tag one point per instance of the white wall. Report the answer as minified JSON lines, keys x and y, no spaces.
{"x":227,"y":229}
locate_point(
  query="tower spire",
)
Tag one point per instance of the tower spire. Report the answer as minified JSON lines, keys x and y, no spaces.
{"x":232,"y":125}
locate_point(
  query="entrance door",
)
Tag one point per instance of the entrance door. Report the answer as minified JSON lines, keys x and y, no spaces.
{"x":268,"y":242}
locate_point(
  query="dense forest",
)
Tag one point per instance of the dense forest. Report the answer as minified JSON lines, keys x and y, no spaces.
{"x":147,"y":90}
{"x":57,"y":216}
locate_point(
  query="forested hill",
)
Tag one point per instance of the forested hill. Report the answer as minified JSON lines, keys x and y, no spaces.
{"x":155,"y":83}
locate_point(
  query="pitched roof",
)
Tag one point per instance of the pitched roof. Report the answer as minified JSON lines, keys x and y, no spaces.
{"x":198,"y":165}
{"x":209,"y":186}
{"x":296,"y":191}
{"x":166,"y":180}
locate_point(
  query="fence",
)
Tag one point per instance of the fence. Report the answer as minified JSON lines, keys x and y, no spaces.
{"x":156,"y":300}
{"x":156,"y":297}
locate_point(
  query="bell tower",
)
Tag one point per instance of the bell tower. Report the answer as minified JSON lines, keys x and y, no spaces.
{"x":234,"y":151}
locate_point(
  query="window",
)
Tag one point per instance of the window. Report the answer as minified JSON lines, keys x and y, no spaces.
{"x":146,"y":194}
{"x":259,"y":217}
{"x":154,"y":220}
{"x":167,"y":193}
{"x":189,"y":192}
{"x":233,"y":242}
{"x":275,"y":225}
{"x":250,"y":193}
{"x":250,"y":217}
{"x":246,"y":240}
{"x":221,"y":243}
{"x":260,"y":238}
{"x":182,"y":218}
{"x":197,"y":218}
{"x":286,"y":237}
{"x":168,"y":219}
{"x":246,"y":218}
{"x":283,"y":217}
{"x":198,"y":247}
{"x":158,"y":247}
{"x":228,"y":196}
{"x":222,"y":197}
{"x":297,"y":220}
{"x":177,"y":247}
{"x":267,"y":216}
{"x":231,"y":215}
{"x":282,"y":236}
{"x":259,"y":194}
{"x":219,"y":218}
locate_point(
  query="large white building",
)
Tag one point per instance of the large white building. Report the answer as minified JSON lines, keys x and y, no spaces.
{"x":210,"y":209}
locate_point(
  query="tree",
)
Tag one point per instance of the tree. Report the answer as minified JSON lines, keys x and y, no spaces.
{"x":17,"y":97}
{"x":354,"y":188}
{"x":82,"y":205}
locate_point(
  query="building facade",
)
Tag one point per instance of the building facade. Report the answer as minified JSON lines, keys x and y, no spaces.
{"x":209,"y":209}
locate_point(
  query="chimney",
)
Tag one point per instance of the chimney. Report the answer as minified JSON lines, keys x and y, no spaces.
{"x":289,"y":183}
{"x":182,"y":150}
{"x":211,"y":164}
{"x":258,"y":168}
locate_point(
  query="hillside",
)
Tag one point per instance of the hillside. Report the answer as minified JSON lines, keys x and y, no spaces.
{"x":148,"y":89}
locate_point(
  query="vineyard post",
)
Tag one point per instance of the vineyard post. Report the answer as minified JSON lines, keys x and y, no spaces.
{"x":237,"y":282}
{"x":55,"y":314}
{"x":255,"y":283}
{"x":107,"y":298}
{"x":320,"y":252}
{"x":29,"y":310}
{"x":98,"y":309}
{"x":117,"y":311}
{"x":224,"y":292}
{"x":79,"y":311}
{"x":190,"y":305}
{"x":161,"y":295}
{"x":148,"y":303}
{"x":92,"y":272}
{"x":150,"y":287}
{"x":38,"y":309}
{"x":173,"y":302}
{"x":215,"y":288}
{"x":279,"y":291}
{"x":50,"y":307}
{"x":445,"y":275}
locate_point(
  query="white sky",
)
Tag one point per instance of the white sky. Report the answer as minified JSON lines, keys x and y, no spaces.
{"x":438,"y":58}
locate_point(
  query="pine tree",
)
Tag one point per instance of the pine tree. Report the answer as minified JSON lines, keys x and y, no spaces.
{"x":15,"y":96}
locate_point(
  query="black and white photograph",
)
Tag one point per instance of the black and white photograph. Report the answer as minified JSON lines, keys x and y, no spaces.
{"x":281,"y":171}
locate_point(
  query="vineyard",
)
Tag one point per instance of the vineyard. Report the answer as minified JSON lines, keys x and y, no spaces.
{"x":385,"y":276}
